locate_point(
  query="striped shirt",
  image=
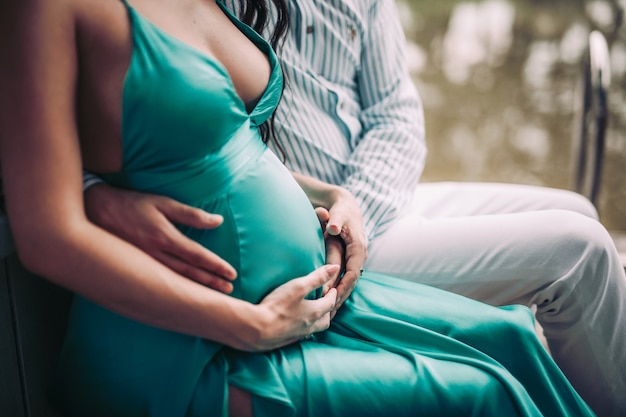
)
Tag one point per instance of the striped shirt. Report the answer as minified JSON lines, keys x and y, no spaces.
{"x":350,"y":114}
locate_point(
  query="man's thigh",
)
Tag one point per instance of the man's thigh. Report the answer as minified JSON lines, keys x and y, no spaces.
{"x":455,"y":199}
{"x":496,"y":258}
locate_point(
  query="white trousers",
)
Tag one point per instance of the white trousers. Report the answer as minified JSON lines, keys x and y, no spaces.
{"x":505,"y":244}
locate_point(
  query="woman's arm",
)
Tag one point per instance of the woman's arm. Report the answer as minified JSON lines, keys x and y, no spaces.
{"x":346,"y":243}
{"x":149,"y":222}
{"x":41,"y":171}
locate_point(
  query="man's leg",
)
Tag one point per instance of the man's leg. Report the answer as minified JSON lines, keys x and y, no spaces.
{"x":455,"y":199}
{"x":562,"y":261}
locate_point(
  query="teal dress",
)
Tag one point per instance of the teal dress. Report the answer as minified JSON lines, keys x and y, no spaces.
{"x":394,"y":349}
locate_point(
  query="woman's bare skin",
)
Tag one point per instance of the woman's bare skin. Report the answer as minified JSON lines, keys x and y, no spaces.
{"x":105,"y":48}
{"x":61,"y":111}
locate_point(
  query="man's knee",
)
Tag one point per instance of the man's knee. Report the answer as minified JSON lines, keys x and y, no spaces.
{"x":578,"y":203}
{"x":576,"y":237}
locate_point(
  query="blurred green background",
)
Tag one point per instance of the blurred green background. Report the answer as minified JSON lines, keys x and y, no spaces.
{"x":499,"y":80}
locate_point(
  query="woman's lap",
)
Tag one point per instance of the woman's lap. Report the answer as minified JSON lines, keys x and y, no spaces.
{"x":395,"y":347}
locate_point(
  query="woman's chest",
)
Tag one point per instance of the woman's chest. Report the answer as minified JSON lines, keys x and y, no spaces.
{"x":141,"y":87}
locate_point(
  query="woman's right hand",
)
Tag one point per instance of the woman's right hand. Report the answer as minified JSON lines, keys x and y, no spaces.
{"x":284,"y":316}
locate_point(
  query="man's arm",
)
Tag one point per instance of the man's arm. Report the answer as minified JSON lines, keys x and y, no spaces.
{"x":388,"y":160}
{"x":148,"y":222}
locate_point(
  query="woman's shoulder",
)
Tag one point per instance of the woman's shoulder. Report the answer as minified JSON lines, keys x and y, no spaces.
{"x":31,"y":21}
{"x":34,"y":32}
{"x":101,"y":19}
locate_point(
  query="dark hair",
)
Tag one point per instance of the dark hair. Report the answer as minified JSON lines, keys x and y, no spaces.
{"x":256,"y":13}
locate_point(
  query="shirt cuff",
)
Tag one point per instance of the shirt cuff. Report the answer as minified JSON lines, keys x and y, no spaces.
{"x":89,"y":180}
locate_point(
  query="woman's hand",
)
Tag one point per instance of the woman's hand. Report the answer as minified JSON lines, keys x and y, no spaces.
{"x":284,"y":316}
{"x":147,"y":221}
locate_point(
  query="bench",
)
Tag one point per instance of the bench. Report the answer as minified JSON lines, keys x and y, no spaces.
{"x":33,"y":315}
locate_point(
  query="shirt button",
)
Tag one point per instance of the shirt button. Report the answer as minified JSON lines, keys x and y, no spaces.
{"x":309,"y":29}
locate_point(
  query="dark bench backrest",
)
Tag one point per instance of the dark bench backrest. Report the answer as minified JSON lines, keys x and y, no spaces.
{"x":33,"y":315}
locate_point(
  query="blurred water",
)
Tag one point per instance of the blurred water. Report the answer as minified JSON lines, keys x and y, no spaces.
{"x":499,"y":79}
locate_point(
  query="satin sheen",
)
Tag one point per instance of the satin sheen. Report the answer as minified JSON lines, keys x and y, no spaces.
{"x":395,"y":348}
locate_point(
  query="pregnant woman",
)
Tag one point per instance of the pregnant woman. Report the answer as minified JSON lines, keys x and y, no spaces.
{"x":169,"y":97}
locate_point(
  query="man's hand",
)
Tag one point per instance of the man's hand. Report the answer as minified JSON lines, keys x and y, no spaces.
{"x":346,"y":243}
{"x":147,"y":221}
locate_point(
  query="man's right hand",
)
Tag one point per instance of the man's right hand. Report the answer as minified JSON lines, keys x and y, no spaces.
{"x":147,"y":221}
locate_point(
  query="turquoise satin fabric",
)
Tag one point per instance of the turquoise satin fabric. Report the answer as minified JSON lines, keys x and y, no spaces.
{"x":394,"y":349}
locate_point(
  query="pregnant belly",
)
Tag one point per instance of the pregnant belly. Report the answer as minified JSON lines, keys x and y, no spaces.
{"x":270,"y":232}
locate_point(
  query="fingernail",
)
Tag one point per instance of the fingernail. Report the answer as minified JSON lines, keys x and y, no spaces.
{"x":333,"y":229}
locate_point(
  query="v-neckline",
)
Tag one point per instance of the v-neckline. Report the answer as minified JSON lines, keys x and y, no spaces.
{"x":216,"y":63}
